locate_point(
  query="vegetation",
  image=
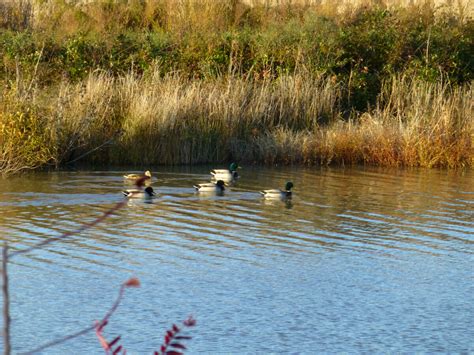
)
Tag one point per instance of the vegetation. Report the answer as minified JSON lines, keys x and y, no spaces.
{"x":194,"y":81}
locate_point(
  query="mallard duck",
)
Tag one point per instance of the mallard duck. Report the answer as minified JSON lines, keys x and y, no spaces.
{"x":217,"y":187}
{"x":138,"y":193}
{"x":276,"y":193}
{"x":145,"y":176}
{"x":226,"y":175}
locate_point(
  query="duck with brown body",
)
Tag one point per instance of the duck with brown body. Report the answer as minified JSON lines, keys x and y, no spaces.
{"x":144,"y":176}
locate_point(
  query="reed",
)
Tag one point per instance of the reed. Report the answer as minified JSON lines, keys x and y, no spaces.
{"x":171,"y":119}
{"x":414,"y":124}
{"x":184,"y":121}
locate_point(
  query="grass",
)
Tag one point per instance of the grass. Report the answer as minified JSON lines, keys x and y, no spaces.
{"x":172,"y":119}
{"x":196,"y":81}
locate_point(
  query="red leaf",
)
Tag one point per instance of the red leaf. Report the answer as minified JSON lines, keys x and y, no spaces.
{"x":116,"y":351}
{"x":132,"y":282}
{"x":172,"y":352}
{"x":167,"y":339}
{"x":155,"y":353}
{"x":170,"y":333}
{"x":114,"y":341}
{"x":163,"y":349}
{"x":175,"y":328}
{"x":178,"y":345}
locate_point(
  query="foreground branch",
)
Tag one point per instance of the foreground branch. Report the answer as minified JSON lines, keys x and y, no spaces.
{"x":133,"y":282}
{"x":68,"y":234}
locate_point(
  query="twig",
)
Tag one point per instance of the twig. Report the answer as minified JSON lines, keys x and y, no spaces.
{"x":133,"y":282}
{"x":6,"y":302}
{"x":91,"y":151}
{"x":68,"y":234}
{"x":59,"y":341}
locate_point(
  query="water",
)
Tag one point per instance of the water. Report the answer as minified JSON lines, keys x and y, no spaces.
{"x":361,"y":260}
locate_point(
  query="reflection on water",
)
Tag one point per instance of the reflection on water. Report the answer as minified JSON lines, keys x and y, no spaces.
{"x":358,"y":260}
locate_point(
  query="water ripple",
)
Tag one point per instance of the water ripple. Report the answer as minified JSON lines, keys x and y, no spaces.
{"x":364,"y":258}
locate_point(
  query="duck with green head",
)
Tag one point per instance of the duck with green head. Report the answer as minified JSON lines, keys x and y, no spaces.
{"x":146,"y":193}
{"x":226,"y":175}
{"x":277,"y":193}
{"x":214,"y":187}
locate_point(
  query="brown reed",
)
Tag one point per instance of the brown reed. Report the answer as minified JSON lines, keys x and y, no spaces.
{"x":172,"y":119}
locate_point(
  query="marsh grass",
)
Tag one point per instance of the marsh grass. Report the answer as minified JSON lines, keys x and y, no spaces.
{"x":171,"y":119}
{"x":186,"y":121}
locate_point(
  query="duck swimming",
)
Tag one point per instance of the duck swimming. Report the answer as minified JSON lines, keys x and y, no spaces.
{"x":226,"y":175}
{"x":138,"y":193}
{"x":145,"y":176}
{"x":217,"y":187}
{"x":276,"y":193}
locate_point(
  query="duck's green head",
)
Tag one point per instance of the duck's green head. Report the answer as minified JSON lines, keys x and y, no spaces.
{"x":288,"y":186}
{"x":233,"y":167}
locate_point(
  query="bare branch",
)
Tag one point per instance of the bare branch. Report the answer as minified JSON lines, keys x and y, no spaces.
{"x":129,"y":283}
{"x":68,"y":234}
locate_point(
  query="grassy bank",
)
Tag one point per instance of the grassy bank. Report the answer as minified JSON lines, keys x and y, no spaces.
{"x":166,"y":82}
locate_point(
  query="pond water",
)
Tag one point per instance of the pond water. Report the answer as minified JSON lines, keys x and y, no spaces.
{"x":360,"y":260}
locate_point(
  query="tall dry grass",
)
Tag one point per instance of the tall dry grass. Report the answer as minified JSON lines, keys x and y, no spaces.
{"x":171,"y":119}
{"x":414,"y":124}
{"x":175,"y":120}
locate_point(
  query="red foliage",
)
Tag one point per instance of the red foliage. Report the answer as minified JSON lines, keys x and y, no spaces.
{"x":172,"y":340}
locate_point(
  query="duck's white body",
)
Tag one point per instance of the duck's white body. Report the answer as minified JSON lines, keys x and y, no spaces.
{"x":138,"y":193}
{"x":224,"y":175}
{"x":277,"y":193}
{"x":217,"y":187}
